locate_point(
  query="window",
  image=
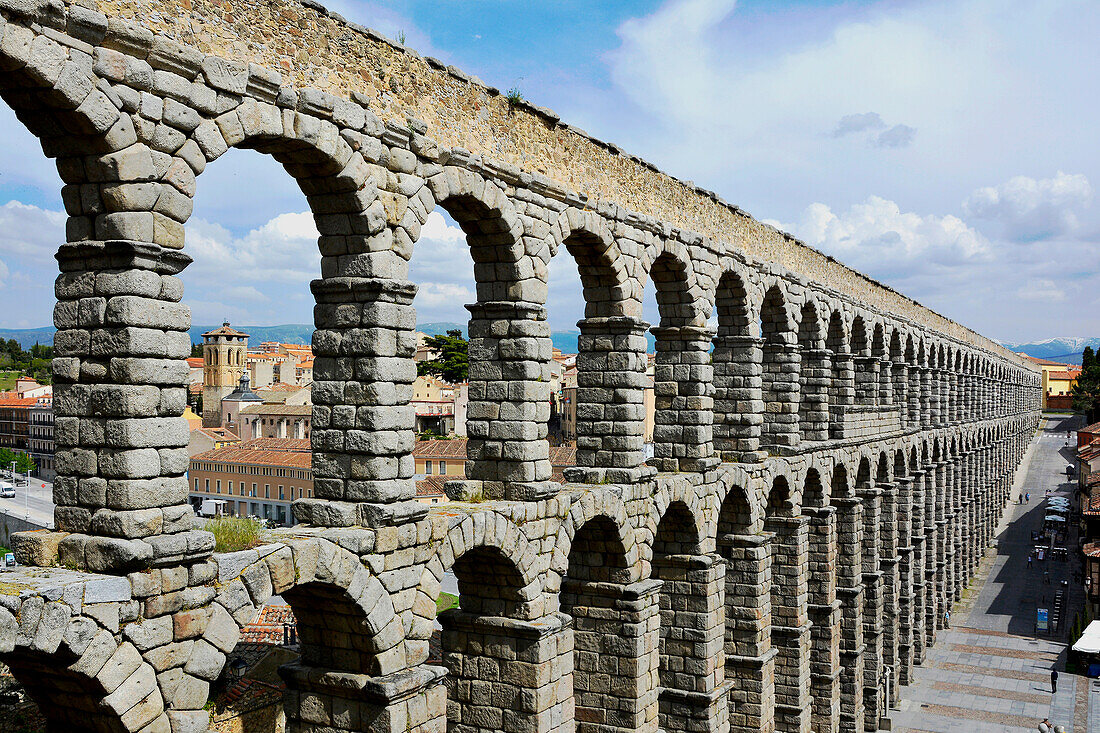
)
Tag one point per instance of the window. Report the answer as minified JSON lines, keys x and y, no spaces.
{"x":208,"y":486}
{"x":267,"y":491}
{"x":281,"y":493}
{"x":229,"y":489}
{"x":442,"y":468}
{"x":427,"y":468}
{"x":196,"y":484}
{"x":218,"y":486}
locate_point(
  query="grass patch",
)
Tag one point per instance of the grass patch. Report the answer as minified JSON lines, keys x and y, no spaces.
{"x":7,"y":380}
{"x":445,"y":602}
{"x":234,"y":533}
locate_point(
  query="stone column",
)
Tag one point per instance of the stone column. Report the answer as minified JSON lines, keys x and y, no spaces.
{"x":891,"y":582}
{"x":935,"y":397}
{"x":780,"y":389}
{"x":611,"y":384}
{"x":906,"y":561}
{"x":953,"y":385}
{"x":824,"y":613}
{"x":919,"y":540}
{"x":694,"y":693}
{"x":850,"y":591}
{"x":867,"y":378}
{"x":335,"y":701}
{"x":926,"y":415}
{"x":508,"y":456}
{"x":120,"y":387}
{"x":931,"y":543}
{"x":900,"y":370}
{"x":750,"y":659}
{"x":914,"y":396}
{"x":362,"y":429}
{"x":939,"y":471}
{"x":738,"y":404}
{"x":871,"y":498}
{"x":684,"y":408}
{"x":842,"y":391}
{"x":885,"y":381}
{"x":949,"y":517}
{"x":790,"y":627}
{"x":507,"y":674}
{"x":616,"y":631}
{"x":813,"y":416}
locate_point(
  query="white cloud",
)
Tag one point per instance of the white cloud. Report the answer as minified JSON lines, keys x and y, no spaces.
{"x":876,"y":236}
{"x":1041,"y":289}
{"x":30,"y":231}
{"x":858,"y":123}
{"x":875,"y":130}
{"x":445,"y":294}
{"x":898,"y":136}
{"x":1031,"y":209}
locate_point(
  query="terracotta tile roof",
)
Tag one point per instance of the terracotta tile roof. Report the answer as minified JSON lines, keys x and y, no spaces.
{"x":563,"y":455}
{"x":195,"y":362}
{"x":440,"y":448}
{"x":278,"y":410}
{"x":11,"y":399}
{"x":1090,"y":505}
{"x":1092,"y":549}
{"x":299,"y":445}
{"x":225,"y":330}
{"x":256,"y":457}
{"x":218,"y":433}
{"x":1044,"y":362}
{"x":268,"y":626}
{"x":1063,"y":376}
{"x":432,"y":485}
{"x":1093,"y":429}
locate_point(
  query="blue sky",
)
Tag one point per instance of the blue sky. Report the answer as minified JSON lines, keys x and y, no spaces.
{"x":946,"y":148}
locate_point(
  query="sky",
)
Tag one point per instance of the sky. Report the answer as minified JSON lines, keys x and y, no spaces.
{"x":948,"y":149}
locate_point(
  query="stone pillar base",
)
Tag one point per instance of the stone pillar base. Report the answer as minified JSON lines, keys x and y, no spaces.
{"x":601,"y":475}
{"x":332,"y":701}
{"x":332,"y":513}
{"x":470,"y":490}
{"x":695,"y":711}
{"x":752,"y":694}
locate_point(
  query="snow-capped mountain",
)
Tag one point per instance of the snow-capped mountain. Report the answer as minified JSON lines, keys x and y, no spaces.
{"x":1066,"y":349}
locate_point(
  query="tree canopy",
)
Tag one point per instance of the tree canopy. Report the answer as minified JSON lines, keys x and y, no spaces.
{"x":452,"y":361}
{"x":1086,"y":388}
{"x":23,"y":462}
{"x":35,"y":363}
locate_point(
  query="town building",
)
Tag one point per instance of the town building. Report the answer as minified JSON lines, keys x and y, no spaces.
{"x":1058,"y":379}
{"x":223,"y":354}
{"x":15,"y":420}
{"x":205,"y":439}
{"x":40,"y":438}
{"x":446,"y":459}
{"x":262,"y":420}
{"x":569,"y":404}
{"x":253,"y":478}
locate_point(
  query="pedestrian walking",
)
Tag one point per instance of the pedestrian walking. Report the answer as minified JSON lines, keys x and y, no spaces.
{"x":1029,"y":562}
{"x":1027,"y":498}
{"x":947,"y":619}
{"x":1053,"y":681}
{"x":1046,"y":577}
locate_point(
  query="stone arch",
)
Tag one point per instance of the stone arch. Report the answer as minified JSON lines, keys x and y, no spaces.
{"x":494,"y":234}
{"x":83,"y":676}
{"x":738,"y":512}
{"x":839,"y":484}
{"x":780,"y":370}
{"x":781,"y":499}
{"x":599,"y":517}
{"x":777,"y":323}
{"x":815,"y":374}
{"x":498,"y":576}
{"x":668,"y":265}
{"x":860,"y":343}
{"x":605,"y":282}
{"x":732,"y":303}
{"x":684,"y":497}
{"x":329,"y":589}
{"x":815,"y":494}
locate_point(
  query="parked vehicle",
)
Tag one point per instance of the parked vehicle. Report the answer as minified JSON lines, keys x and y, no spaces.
{"x":7,"y":491}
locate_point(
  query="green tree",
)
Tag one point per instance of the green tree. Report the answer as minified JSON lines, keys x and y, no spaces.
{"x":23,"y":462}
{"x":452,"y":361}
{"x":1086,"y":389}
{"x":196,"y":351}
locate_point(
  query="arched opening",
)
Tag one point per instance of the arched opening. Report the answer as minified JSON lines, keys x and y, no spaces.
{"x":815,"y":372}
{"x":842,"y":383}
{"x":822,"y":605}
{"x":780,"y":373}
{"x":849,"y":592}
{"x":607,"y":382}
{"x":690,"y":669}
{"x":790,"y":628}
{"x":486,"y":636}
{"x":736,"y":358}
{"x":866,"y":365}
{"x":682,"y":372}
{"x":595,"y":593}
{"x":885,"y":394}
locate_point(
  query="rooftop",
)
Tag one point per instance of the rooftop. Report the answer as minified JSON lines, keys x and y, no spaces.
{"x":225,"y":330}
{"x":277,"y":409}
{"x":256,"y":457}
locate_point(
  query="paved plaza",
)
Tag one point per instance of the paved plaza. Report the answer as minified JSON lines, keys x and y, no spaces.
{"x":991,"y":671}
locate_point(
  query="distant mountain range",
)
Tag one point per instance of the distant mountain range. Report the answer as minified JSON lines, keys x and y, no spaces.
{"x":1067,"y":350}
{"x":291,"y":333}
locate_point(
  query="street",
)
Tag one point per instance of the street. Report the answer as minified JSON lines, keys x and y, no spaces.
{"x":35,"y":499}
{"x":991,"y":670}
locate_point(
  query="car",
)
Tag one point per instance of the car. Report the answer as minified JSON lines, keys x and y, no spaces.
{"x":9,"y":560}
{"x":7,"y":491}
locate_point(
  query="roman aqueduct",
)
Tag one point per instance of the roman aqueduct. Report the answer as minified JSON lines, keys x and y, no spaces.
{"x":830,"y":461}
